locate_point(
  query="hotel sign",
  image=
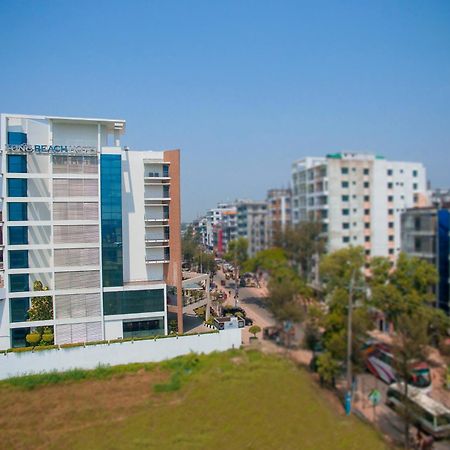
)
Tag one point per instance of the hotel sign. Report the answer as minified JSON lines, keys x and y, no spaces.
{"x":51,"y":149}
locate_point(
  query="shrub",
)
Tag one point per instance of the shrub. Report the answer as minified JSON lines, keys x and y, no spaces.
{"x":33,"y":338}
{"x":254,"y":329}
{"x":47,"y":337}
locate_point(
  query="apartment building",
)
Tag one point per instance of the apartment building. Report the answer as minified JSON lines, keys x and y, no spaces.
{"x":358,"y":198}
{"x":89,"y":224}
{"x":425,"y":234}
{"x":278,"y":212}
{"x":252,"y":224}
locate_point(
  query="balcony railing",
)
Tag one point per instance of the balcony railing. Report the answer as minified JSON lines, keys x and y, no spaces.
{"x":157,"y":261}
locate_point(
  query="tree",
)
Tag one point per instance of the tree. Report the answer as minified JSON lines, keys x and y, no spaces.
{"x":189,"y":245}
{"x":254,"y":329}
{"x":269,"y":260}
{"x":301,"y":243}
{"x":405,"y":289}
{"x":284,"y":299}
{"x":342,"y":275}
{"x":41,"y":307}
{"x":409,"y":345}
{"x":205,"y":262}
{"x":237,"y":251}
{"x":327,"y":368}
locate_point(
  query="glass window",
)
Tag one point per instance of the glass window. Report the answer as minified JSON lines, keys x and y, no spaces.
{"x":345,"y":225}
{"x":17,"y":187}
{"x":17,"y":138}
{"x":391,"y":225}
{"x":345,"y":198}
{"x":390,"y":172}
{"x":19,"y":282}
{"x":18,"y":235}
{"x":17,"y":211}
{"x":18,"y":337}
{"x":18,"y":259}
{"x":367,"y":225}
{"x":133,"y":302}
{"x":344,"y":184}
{"x":391,"y":238}
{"x":111,"y":219}
{"x":366,"y":171}
{"x":390,"y":185}
{"x":345,"y":239}
{"x":19,"y":309}
{"x":344,"y":170}
{"x":415,"y":186}
{"x":390,"y":198}
{"x":366,"y":212}
{"x":345,"y":212}
{"x":366,"y":184}
{"x":367,"y":198}
{"x":390,"y":211}
{"x":17,"y":163}
{"x":367,"y":238}
{"x":165,"y":170}
{"x":391,"y":251}
{"x":415,"y":173}
{"x":143,"y":328}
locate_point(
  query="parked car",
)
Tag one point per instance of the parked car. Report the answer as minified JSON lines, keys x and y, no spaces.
{"x":248,"y":321}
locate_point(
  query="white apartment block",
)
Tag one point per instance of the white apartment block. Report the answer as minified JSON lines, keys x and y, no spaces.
{"x":252,"y":224}
{"x":358,"y":198}
{"x":97,"y":224}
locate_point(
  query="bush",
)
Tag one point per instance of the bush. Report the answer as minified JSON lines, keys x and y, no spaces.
{"x":33,"y":338}
{"x":47,"y":338}
{"x":254,"y":329}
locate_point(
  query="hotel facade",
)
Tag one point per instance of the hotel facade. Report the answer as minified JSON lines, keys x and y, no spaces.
{"x":90,"y":224}
{"x":358,"y":199}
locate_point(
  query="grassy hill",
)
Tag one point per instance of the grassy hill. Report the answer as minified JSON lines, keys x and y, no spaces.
{"x":233,"y":400}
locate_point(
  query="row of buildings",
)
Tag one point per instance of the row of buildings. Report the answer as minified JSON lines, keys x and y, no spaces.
{"x":359,"y":199}
{"x":90,"y":226}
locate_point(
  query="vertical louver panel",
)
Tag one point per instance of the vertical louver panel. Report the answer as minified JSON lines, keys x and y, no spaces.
{"x":78,"y":332}
{"x":77,"y":305}
{"x":76,"y":257}
{"x":75,"y":187}
{"x":75,"y":211}
{"x":93,"y":305}
{"x":77,"y":280}
{"x":94,"y":331}
{"x":91,"y":188}
{"x":62,"y":307}
{"x":75,"y":164}
{"x":63,"y":334}
{"x":75,"y":234}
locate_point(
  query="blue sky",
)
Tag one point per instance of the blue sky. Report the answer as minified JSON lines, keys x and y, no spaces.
{"x":242,"y":87}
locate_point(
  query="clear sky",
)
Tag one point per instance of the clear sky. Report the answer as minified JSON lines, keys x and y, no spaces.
{"x":242,"y":87}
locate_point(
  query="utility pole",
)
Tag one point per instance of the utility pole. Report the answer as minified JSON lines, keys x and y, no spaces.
{"x":235,"y":275}
{"x":348,"y":397}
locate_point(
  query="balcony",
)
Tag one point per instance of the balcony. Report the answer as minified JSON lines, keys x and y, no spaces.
{"x":157,"y":261}
{"x":157,"y":243}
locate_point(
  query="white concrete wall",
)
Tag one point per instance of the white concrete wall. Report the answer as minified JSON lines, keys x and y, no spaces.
{"x":75,"y":134}
{"x":133,"y":213}
{"x":17,"y":364}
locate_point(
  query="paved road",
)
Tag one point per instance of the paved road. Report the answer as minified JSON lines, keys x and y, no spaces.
{"x":250,"y":299}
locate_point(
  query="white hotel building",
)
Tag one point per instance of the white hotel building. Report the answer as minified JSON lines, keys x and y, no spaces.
{"x":358,"y":198}
{"x":97,"y":224}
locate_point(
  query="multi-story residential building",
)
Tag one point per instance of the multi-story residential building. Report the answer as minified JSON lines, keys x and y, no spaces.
{"x":220,"y":227}
{"x":440,"y":198}
{"x":358,"y":198}
{"x":278,"y":212}
{"x":252,"y":224}
{"x":425,"y":234}
{"x":92,"y":225}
